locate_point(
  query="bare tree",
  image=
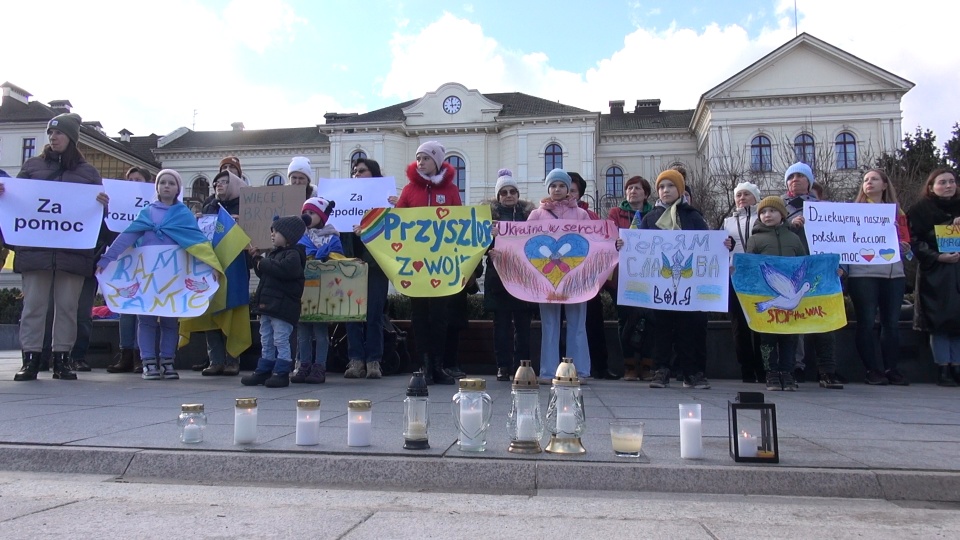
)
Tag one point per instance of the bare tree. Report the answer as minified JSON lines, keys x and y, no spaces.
{"x":839,"y":185}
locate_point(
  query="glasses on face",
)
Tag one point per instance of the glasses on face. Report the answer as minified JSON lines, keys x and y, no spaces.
{"x":509,"y":192}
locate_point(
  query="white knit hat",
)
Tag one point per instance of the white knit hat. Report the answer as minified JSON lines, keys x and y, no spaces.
{"x":748,"y":186}
{"x":301,"y":164}
{"x":504,"y":179}
{"x":435,"y":150}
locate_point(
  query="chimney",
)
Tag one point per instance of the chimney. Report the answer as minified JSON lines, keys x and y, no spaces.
{"x":616,"y":107}
{"x":333,"y":118}
{"x":61,"y":105}
{"x":125,"y":135}
{"x":14,"y":92}
{"x":95,"y":125}
{"x":237,"y":126}
{"x":647,"y":106}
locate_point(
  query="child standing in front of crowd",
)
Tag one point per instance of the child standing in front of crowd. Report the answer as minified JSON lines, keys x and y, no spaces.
{"x":319,"y":241}
{"x":772,"y":236}
{"x":165,"y":222}
{"x":277,"y":300}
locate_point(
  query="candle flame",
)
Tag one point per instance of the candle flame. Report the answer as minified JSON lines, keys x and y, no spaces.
{"x":745,"y":434}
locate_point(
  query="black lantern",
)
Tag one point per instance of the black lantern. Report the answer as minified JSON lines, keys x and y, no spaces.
{"x":753,"y":429}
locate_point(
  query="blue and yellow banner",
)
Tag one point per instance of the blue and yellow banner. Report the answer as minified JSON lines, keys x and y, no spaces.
{"x":789,"y":295}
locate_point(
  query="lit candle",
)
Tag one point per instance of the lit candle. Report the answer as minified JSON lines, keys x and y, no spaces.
{"x":359,"y":426}
{"x":308,"y":431}
{"x":471,"y":423}
{"x":416,"y":430}
{"x":245,"y":421}
{"x":691,"y":438}
{"x":191,"y":433}
{"x":747,"y":445}
{"x":566,"y":422}
{"x":526,"y":430}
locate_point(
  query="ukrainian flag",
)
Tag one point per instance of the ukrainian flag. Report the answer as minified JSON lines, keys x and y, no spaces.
{"x":229,"y":309}
{"x":789,"y":295}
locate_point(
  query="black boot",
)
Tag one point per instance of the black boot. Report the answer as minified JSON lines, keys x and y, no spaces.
{"x":31,"y":364}
{"x":62,"y":367}
{"x":946,"y":377}
{"x":440,"y":375}
{"x":125,"y":364}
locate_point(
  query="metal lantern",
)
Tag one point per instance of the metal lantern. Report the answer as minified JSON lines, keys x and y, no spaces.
{"x":752,"y":429}
{"x":472,"y":407}
{"x":566,"y":418}
{"x":416,"y":419}
{"x":525,"y":422}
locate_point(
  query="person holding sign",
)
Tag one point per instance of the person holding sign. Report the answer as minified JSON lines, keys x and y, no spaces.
{"x":937,"y":306}
{"x":680,"y":332}
{"x":430,"y":184}
{"x":771,"y":236}
{"x":561,"y":205}
{"x":54,"y":272}
{"x":300,"y":173}
{"x":880,"y":287}
{"x":165,"y":222}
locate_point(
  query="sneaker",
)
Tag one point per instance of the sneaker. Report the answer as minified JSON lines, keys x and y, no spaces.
{"x":829,"y":380}
{"x":300,"y":375}
{"x":231,"y":370}
{"x":697,"y":381}
{"x":661,"y":378}
{"x":503,"y":374}
{"x":773,"y":381}
{"x":151,"y":371}
{"x":317,"y":375}
{"x":789,"y":384}
{"x":876,"y":378}
{"x":455,"y":372}
{"x":212,"y":370}
{"x":356,"y":369}
{"x":81,"y":365}
{"x":373,"y":370}
{"x":896,"y":378}
{"x":167,"y":370}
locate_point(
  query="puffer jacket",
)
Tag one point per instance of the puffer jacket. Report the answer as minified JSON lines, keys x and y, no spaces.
{"x":72,"y":261}
{"x":565,"y":209}
{"x":281,"y":283}
{"x":740,"y":226}
{"x":779,"y":241}
{"x":495,"y":295}
{"x":422,"y":192}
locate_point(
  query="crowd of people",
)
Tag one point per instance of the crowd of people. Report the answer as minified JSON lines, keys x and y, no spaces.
{"x":59,"y":285}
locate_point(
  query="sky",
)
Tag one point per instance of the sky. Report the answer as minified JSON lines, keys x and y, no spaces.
{"x":154,"y":66}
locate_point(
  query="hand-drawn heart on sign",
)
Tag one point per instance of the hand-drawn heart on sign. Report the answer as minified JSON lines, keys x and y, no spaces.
{"x":555,"y":258}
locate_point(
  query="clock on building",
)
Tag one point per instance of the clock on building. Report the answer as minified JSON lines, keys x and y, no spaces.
{"x":452,"y":105}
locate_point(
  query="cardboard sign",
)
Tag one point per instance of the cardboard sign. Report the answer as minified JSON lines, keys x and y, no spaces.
{"x":948,"y":238}
{"x":674,"y":270}
{"x":859,"y":233}
{"x":428,"y":251}
{"x":560,"y":261}
{"x":158,"y":280}
{"x":259,"y":205}
{"x":335,"y":290}
{"x":354,"y":196}
{"x":789,"y":295}
{"x":127,"y":199}
{"x":39,"y":213}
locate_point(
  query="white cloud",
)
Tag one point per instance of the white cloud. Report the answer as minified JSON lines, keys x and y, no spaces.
{"x":260,"y":23}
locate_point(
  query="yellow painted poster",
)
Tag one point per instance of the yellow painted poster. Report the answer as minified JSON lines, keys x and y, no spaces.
{"x":429,"y":251}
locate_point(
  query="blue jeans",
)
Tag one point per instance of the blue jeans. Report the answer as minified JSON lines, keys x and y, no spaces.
{"x":365,"y":341}
{"x":306,"y":334}
{"x":868,"y":295}
{"x":945,"y":349}
{"x":275,"y":338}
{"x":147,"y":336}
{"x":128,"y":331}
{"x":577,"y":347}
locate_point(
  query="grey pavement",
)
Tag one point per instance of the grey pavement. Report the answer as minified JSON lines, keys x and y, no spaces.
{"x":894,"y":443}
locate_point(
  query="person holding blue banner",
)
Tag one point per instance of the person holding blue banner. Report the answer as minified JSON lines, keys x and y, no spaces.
{"x":165,"y":222}
{"x":771,"y":236}
{"x":680,"y":332}
{"x":937,"y":306}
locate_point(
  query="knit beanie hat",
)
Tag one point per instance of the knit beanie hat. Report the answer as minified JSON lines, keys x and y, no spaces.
{"x":68,"y":124}
{"x":169,"y":172}
{"x":773,"y":202}
{"x":505,"y":179}
{"x":232,"y":160}
{"x":435,"y":150}
{"x":321,"y":207}
{"x":673,"y":176}
{"x":557,"y":175}
{"x":802,"y":168}
{"x":748,"y":186}
{"x":301,"y":164}
{"x":291,"y":227}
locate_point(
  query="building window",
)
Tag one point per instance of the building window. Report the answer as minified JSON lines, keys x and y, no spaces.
{"x":461,"y":178}
{"x":275,"y":180}
{"x":200,"y":189}
{"x":761,"y":158}
{"x":804,"y":149}
{"x":552,"y":158}
{"x":29,"y":148}
{"x":846,"y":151}
{"x":615,"y":181}
{"x":359,"y":154}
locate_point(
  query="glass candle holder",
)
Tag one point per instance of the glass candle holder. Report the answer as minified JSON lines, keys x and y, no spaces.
{"x":472,"y":407}
{"x":416,"y":418}
{"x":245,"y":421}
{"x":308,"y":422}
{"x":525,"y":421}
{"x":192,"y":422}
{"x":359,"y":422}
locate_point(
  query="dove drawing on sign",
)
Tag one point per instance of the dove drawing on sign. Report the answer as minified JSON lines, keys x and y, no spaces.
{"x":676,"y":269}
{"x":789,"y":290}
{"x":196,"y":286}
{"x":127,"y":292}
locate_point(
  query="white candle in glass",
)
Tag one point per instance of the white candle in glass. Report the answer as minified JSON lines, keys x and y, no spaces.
{"x":566,"y":421}
{"x":747,"y":445}
{"x":308,"y":430}
{"x":359,"y":429}
{"x":526,"y":430}
{"x":471,"y":422}
{"x":245,"y":427}
{"x":192,"y":433}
